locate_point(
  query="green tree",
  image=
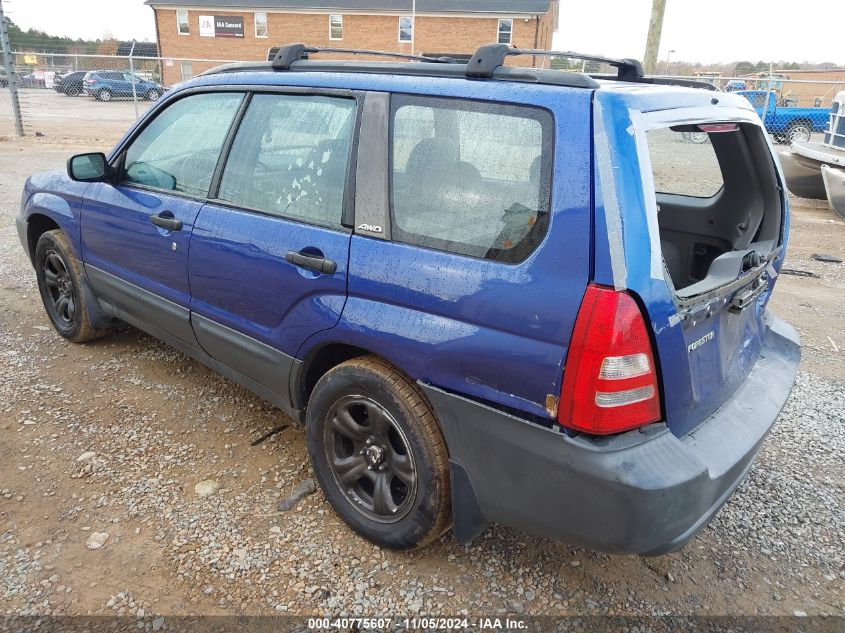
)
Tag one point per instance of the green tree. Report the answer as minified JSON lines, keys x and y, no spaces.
{"x":744,"y":68}
{"x":41,"y":42}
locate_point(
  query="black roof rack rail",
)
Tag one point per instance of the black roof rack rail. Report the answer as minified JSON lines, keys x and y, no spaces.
{"x":486,"y":63}
{"x":290,"y":53}
{"x":295,"y":57}
{"x":490,"y":56}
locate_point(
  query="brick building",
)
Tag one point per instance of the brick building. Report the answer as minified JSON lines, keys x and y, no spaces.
{"x":248,"y":29}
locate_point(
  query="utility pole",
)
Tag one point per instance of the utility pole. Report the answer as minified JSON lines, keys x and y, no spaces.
{"x":652,"y":45}
{"x":132,"y":72}
{"x":10,"y":71}
{"x":413,"y":26}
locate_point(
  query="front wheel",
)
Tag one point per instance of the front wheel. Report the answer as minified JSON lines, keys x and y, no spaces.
{"x":152,"y":95}
{"x":59,"y":278}
{"x":72,"y":92}
{"x":379,"y":455}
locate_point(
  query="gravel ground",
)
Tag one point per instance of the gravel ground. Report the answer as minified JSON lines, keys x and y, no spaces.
{"x":104,"y":445}
{"x":57,"y":116}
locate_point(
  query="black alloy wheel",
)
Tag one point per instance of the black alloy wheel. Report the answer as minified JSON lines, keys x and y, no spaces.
{"x":61,"y":302}
{"x":370,"y":459}
{"x":60,"y":283}
{"x":378,"y":453}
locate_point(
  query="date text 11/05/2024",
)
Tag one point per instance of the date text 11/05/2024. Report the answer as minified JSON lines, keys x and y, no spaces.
{"x":381,"y":624}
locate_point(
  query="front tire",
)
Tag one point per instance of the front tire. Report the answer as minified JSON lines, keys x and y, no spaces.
{"x":72,"y":92}
{"x":379,"y":455}
{"x":152,"y":95}
{"x":59,"y":276}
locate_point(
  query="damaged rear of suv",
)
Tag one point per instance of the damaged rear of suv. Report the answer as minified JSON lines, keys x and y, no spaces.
{"x":676,"y":370}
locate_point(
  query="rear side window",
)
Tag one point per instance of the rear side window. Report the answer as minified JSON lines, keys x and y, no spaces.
{"x":684,"y":163}
{"x":179,"y":149}
{"x":469,"y":177}
{"x":290,"y":157}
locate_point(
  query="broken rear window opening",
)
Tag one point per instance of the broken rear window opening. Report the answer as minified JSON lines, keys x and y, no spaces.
{"x":718,"y":202}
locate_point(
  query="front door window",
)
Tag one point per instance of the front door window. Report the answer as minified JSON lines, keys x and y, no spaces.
{"x":179,"y":150}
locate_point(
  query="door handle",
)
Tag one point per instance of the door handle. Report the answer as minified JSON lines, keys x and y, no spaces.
{"x":171,"y":224}
{"x":317,"y":263}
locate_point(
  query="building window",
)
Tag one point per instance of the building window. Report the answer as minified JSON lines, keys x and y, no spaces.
{"x":505,"y":31}
{"x":260,"y":24}
{"x":186,"y":70}
{"x":406,"y":29}
{"x":335,"y":27}
{"x":182,"y":23}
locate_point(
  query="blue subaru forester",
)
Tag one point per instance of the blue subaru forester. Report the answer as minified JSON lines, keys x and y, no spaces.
{"x":491,"y":293}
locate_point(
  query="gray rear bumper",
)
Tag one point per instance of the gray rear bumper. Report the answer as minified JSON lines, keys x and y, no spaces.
{"x":642,"y":492}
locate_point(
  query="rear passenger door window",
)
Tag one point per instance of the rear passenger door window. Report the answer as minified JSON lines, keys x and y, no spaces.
{"x":469,"y":177}
{"x":290,"y":157}
{"x":179,"y":149}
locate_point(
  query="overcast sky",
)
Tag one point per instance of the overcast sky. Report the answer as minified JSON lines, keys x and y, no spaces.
{"x":705,"y":31}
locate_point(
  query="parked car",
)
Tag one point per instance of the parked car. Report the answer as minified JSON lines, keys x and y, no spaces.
{"x":104,"y":85}
{"x":456,"y":276}
{"x":34,"y":79}
{"x":70,"y":84}
{"x":735,"y":85}
{"x":787,"y":125}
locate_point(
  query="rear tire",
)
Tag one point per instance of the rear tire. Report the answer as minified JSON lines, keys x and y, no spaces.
{"x":379,"y":455}
{"x":152,"y":95}
{"x":697,"y":138}
{"x":59,"y":276}
{"x":104,"y":95}
{"x":800,"y":131}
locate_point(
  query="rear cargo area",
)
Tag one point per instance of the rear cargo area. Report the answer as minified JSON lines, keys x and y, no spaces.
{"x":718,"y":200}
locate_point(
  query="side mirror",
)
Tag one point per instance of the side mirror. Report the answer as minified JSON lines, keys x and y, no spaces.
{"x":89,"y":167}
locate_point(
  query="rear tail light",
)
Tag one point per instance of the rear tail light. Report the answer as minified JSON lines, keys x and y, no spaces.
{"x":610,"y":380}
{"x":717,"y":128}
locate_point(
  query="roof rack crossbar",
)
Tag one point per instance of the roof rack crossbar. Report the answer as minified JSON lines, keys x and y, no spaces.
{"x":490,"y":56}
{"x":290,"y":53}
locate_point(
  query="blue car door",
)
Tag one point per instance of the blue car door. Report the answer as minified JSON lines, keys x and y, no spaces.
{"x":116,"y":82}
{"x":135,"y":231}
{"x":268,"y":259}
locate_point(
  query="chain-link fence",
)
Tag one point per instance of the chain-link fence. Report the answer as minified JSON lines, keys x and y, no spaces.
{"x":88,"y":97}
{"x":94,"y":98}
{"x":793,"y":107}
